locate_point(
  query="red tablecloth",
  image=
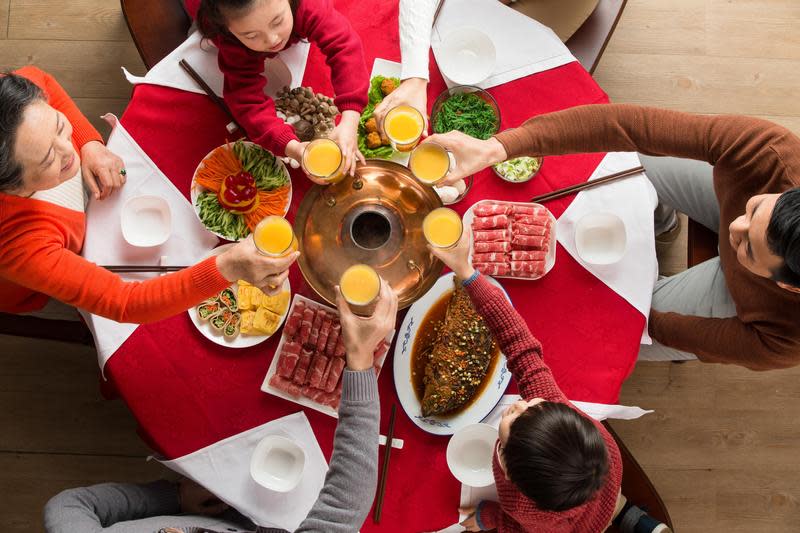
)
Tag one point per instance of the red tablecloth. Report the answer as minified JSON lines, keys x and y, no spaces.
{"x":188,"y":393}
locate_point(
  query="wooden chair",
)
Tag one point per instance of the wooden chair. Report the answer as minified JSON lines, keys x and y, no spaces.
{"x":75,"y":332}
{"x":703,"y":244}
{"x":637,"y":487}
{"x":590,"y":41}
{"x":157,"y":27}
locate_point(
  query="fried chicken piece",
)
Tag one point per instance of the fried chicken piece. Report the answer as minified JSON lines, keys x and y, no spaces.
{"x":387,"y":86}
{"x":371,"y":125}
{"x":374,"y":140}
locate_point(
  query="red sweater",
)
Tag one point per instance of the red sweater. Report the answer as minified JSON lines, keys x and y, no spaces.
{"x":243,"y":90}
{"x":515,"y":512}
{"x":40,"y":243}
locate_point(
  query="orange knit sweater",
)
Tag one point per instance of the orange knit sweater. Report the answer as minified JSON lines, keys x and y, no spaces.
{"x":40,"y":243}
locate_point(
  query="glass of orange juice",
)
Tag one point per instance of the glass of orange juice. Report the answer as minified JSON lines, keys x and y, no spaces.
{"x":442,"y":227}
{"x":274,"y":237}
{"x":323,"y":160}
{"x":403,"y":126}
{"x":430,"y":163}
{"x":360,"y":286}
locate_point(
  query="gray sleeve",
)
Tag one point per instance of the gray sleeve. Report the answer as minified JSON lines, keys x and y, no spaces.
{"x":349,"y":489}
{"x":93,"y":509}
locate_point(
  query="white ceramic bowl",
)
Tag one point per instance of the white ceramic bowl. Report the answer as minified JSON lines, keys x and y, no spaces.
{"x":277,"y":463}
{"x":467,"y":56}
{"x":601,"y":238}
{"x":146,"y":221}
{"x":469,"y":454}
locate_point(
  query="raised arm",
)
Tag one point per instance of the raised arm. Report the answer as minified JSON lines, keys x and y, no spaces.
{"x":96,"y":508}
{"x":727,"y":140}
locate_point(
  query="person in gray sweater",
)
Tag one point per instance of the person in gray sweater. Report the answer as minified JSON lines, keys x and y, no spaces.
{"x":185,"y":507}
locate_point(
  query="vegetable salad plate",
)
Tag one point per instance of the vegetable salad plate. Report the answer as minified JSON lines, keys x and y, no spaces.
{"x":240,"y":316}
{"x":237,"y":185}
{"x":421,"y":321}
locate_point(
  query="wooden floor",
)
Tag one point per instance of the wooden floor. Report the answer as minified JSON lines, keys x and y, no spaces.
{"x":723,"y":446}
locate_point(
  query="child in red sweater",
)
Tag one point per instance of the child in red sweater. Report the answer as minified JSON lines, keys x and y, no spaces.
{"x":556,"y":470}
{"x":247,"y":32}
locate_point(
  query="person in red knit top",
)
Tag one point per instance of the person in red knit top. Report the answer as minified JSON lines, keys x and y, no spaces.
{"x":44,"y":137}
{"x":247,"y":32}
{"x":556,"y":469}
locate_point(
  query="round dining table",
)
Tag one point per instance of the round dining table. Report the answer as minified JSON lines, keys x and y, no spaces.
{"x":187,"y":393}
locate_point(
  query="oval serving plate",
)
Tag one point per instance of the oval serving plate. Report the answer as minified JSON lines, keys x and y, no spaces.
{"x":481,"y":406}
{"x":550,"y":261}
{"x":196,"y":190}
{"x":240,"y":340}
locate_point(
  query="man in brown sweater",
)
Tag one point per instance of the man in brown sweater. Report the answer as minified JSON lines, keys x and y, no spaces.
{"x":740,"y":308}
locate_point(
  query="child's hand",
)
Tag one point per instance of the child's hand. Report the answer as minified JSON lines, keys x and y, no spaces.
{"x":457,"y":257}
{"x":346,"y":136}
{"x":470,"y":523}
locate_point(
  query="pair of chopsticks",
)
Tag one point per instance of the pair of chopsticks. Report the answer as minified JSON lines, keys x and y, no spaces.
{"x":566,"y":191}
{"x":387,"y":454}
{"x":142,"y":268}
{"x":233,"y":126}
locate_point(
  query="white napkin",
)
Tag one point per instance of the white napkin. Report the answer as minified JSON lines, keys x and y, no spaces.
{"x":632,"y":199}
{"x":523,"y":45}
{"x":224,"y":468}
{"x":287,"y":68}
{"x":471,"y":496}
{"x":104,"y":244}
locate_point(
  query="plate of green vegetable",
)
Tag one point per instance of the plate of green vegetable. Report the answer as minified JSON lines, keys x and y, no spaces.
{"x":237,"y":185}
{"x":372,"y":143}
{"x":518,"y":170}
{"x":467,"y":109}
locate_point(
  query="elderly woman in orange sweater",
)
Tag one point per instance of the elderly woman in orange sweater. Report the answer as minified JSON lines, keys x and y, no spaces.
{"x":47,"y":147}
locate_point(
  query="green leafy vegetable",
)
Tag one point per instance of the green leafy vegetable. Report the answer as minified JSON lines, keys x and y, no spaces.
{"x":518,"y":169}
{"x":262,"y":165}
{"x":220,"y":220}
{"x":374,"y":97}
{"x":467,"y":113}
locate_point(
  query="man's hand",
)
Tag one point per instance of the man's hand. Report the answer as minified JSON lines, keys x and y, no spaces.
{"x":472,"y":155}
{"x":102,"y":170}
{"x":362,"y":334}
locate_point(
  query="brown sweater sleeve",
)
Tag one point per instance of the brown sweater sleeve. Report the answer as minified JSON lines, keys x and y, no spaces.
{"x":728,"y":140}
{"x":724,"y":340}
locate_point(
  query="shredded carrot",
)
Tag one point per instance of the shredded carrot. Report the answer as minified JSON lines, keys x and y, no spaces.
{"x":269,"y":203}
{"x":220,"y":164}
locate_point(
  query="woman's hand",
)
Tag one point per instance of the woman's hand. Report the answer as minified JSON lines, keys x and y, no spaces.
{"x":457,"y":257}
{"x":102,"y":170}
{"x":412,"y":92}
{"x":362,"y":334}
{"x":196,"y":500}
{"x":243,"y":261}
{"x":472,"y":155}
{"x":345,"y":134}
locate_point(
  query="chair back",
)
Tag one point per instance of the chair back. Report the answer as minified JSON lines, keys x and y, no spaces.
{"x":157,"y":27}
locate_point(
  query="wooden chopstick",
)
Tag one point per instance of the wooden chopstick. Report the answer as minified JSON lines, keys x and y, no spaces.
{"x":436,"y":14}
{"x":560,"y":193}
{"x":207,"y":89}
{"x":387,"y":454}
{"x":142,"y":268}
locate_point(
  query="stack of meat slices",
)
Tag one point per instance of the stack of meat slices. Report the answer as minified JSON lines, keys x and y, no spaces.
{"x":511,"y":239}
{"x":312,"y":357}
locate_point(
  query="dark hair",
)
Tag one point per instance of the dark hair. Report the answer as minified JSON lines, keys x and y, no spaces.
{"x":783,"y":236}
{"x":555,"y":456}
{"x":212,"y":15}
{"x":16,"y":94}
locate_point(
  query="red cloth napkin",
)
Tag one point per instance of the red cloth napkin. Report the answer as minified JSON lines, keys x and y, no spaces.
{"x":187,"y":393}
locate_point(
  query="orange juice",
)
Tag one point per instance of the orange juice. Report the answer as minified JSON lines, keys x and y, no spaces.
{"x":274,"y":236}
{"x":429,"y":162}
{"x":442,"y":227}
{"x":323,"y":159}
{"x":360,"y":286}
{"x":403,"y":125}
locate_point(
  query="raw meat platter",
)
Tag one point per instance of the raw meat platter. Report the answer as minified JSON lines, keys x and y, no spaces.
{"x":511,"y":239}
{"x":310,"y":359}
